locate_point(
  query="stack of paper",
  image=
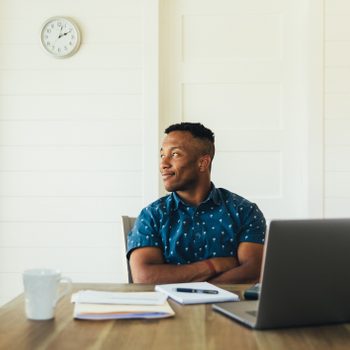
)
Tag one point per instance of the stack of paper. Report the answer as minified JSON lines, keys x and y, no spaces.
{"x":97,"y":305}
{"x":196,"y":293}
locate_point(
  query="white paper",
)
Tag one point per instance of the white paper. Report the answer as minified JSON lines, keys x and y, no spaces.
{"x":121,"y":298}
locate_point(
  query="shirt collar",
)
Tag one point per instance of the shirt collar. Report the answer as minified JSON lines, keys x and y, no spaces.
{"x":213,"y":195}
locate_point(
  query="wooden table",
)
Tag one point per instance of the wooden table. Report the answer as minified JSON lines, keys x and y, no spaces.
{"x":193,"y":327}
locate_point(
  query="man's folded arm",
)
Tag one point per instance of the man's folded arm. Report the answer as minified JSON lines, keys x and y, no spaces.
{"x":148,"y":266}
{"x":248,"y":271}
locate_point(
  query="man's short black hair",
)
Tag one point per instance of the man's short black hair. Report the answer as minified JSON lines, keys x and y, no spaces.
{"x":199,"y":131}
{"x":196,"y":129}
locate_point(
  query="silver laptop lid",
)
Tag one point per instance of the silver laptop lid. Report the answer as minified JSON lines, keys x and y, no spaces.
{"x":306,"y":277}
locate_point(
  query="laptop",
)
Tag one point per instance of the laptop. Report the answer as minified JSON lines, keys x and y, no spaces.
{"x":305,"y":278}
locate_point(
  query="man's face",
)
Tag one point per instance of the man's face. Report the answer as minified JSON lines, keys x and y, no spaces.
{"x":180,"y":161}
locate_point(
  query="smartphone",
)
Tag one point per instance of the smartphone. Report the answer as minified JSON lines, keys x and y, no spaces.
{"x":253,"y":292}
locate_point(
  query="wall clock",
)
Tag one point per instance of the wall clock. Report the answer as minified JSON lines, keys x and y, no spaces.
{"x":60,"y":37}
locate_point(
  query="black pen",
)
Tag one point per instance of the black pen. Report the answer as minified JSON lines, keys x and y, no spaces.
{"x":192,"y":290}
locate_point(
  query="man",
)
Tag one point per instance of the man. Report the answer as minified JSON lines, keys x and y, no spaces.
{"x":198,"y":232}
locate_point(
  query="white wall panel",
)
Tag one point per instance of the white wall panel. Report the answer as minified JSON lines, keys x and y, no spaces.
{"x":230,"y":6}
{"x":20,"y":8}
{"x":108,"y":56}
{"x":337,"y":108}
{"x":337,"y":184}
{"x":337,"y":207}
{"x":337,"y":54}
{"x":337,"y":105}
{"x":255,"y":174}
{"x":337,"y":6}
{"x":71,"y":140}
{"x":67,"y":184}
{"x":110,"y":29}
{"x":242,"y":69}
{"x":69,"y":107}
{"x":225,"y":72}
{"x":61,"y":234}
{"x":14,"y":284}
{"x":107,"y":132}
{"x":236,"y":140}
{"x":116,"y":29}
{"x":337,"y":79}
{"x":241,"y":111}
{"x":67,"y":209}
{"x":202,"y":36}
{"x":90,"y":259}
{"x":337,"y":158}
{"x":337,"y":27}
{"x":70,"y":158}
{"x":338,"y":132}
{"x":89,"y":82}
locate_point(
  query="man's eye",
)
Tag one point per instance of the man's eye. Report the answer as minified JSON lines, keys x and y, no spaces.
{"x":174,"y":154}
{"x":162,"y":156}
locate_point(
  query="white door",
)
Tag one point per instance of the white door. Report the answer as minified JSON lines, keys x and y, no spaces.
{"x":240,"y":67}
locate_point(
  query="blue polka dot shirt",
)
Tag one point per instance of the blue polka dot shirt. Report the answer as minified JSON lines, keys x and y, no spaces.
{"x":186,"y":234}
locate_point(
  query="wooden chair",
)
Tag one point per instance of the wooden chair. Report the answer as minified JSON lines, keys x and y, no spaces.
{"x":127,"y":225}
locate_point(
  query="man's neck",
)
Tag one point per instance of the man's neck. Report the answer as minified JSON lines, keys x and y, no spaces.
{"x":196,"y":196}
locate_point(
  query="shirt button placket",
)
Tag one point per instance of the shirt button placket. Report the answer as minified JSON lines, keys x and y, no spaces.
{"x":199,"y":233}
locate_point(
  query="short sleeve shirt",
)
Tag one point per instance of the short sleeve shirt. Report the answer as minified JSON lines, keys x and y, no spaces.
{"x":187,"y":234}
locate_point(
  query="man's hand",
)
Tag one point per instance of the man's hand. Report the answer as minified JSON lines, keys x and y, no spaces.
{"x":224,"y":264}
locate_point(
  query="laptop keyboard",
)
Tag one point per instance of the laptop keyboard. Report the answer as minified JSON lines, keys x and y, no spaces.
{"x":253,"y":313}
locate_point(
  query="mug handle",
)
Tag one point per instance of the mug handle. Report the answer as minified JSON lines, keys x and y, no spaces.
{"x":66,"y":290}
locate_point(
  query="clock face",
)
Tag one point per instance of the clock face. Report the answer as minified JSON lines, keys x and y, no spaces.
{"x":60,"y":37}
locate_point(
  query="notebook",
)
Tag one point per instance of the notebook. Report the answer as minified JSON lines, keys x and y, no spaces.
{"x":101,"y":305}
{"x":121,"y":311}
{"x":196,"y":297}
{"x":305,"y":276}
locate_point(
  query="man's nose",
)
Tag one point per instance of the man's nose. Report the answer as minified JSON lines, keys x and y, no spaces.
{"x":164,"y":162}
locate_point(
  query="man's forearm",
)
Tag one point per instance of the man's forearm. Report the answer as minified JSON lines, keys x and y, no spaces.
{"x":245,"y":273}
{"x":158,"y":272}
{"x":148,"y":266}
{"x":168,"y":273}
{"x":248,"y":269}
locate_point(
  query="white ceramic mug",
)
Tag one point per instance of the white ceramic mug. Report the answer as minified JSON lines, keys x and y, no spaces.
{"x":41,"y":290}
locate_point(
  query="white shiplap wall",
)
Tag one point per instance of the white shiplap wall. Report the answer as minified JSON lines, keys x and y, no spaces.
{"x":71,"y":134}
{"x":337,"y":108}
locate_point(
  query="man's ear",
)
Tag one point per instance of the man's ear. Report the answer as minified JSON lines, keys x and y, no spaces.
{"x":204,"y":162}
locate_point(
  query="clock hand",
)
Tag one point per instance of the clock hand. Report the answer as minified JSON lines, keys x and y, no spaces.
{"x":59,"y":35}
{"x":63,"y":34}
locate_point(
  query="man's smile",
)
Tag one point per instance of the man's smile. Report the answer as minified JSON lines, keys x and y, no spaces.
{"x":167,"y":174}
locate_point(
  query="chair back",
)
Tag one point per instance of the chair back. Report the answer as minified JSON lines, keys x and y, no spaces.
{"x":127,"y":225}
